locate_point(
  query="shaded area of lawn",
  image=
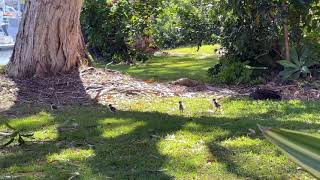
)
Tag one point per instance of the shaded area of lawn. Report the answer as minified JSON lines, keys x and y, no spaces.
{"x":150,"y":140}
{"x":184,"y":62}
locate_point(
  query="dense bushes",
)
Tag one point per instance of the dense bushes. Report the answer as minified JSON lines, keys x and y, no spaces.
{"x":253,"y":33}
{"x":105,"y":28}
{"x":230,"y":71}
{"x":113,"y":28}
{"x":185,"y":23}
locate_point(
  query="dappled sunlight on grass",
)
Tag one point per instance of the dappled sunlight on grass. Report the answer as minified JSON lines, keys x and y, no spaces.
{"x":150,"y":139}
{"x":49,"y":133}
{"x":244,"y":143}
{"x":31,"y":122}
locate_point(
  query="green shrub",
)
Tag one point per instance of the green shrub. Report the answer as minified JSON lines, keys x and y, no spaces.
{"x":235,"y":73}
{"x":105,"y":27}
{"x":229,"y":71}
{"x":215,"y":70}
{"x":299,"y":64}
{"x":185,"y":23}
{"x":111,"y":28}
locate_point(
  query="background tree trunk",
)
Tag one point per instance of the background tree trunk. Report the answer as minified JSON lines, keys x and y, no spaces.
{"x":49,"y":40}
{"x":286,"y":33}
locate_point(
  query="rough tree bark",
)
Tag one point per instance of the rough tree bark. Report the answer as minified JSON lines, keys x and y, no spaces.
{"x":49,"y":40}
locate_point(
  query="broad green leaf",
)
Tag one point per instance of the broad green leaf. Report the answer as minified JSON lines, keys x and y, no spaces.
{"x":287,"y":74}
{"x":305,"y":70}
{"x":302,"y":148}
{"x":287,"y":64}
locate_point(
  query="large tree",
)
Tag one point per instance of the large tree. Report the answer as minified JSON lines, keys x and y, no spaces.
{"x":49,"y":40}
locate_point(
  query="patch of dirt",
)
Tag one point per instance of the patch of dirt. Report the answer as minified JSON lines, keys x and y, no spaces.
{"x":186,"y":82}
{"x":93,"y":85}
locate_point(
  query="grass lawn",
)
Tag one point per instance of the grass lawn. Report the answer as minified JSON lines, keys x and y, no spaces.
{"x":183,"y":62}
{"x":2,"y":69}
{"x":149,"y":139}
{"x":204,"y":50}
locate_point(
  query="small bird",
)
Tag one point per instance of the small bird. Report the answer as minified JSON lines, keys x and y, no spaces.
{"x":181,"y":107}
{"x":53,"y":107}
{"x":251,"y":132}
{"x":216,"y":104}
{"x":112,"y":109}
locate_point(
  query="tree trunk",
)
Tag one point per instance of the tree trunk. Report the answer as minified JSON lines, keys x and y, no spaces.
{"x":49,"y":40}
{"x":286,"y":41}
{"x":286,"y":34}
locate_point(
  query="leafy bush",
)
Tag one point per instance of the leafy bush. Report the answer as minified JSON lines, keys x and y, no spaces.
{"x":215,"y":70}
{"x":112,"y":28}
{"x":105,"y":28}
{"x":253,"y":30}
{"x":230,"y":71}
{"x":248,"y":32}
{"x":299,"y":65}
{"x":185,"y":23}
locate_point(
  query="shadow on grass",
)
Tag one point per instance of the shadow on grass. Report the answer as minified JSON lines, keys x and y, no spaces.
{"x":114,"y":152}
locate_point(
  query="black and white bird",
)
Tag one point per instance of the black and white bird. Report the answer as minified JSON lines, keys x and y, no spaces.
{"x":251,"y":132}
{"x":181,"y":107}
{"x":53,"y":107}
{"x":216,"y":104}
{"x":112,"y":109}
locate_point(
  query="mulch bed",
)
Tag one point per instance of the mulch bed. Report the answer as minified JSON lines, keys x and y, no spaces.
{"x":93,"y":85}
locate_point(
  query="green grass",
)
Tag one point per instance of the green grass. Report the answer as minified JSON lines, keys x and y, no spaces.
{"x":149,"y":139}
{"x":204,"y":50}
{"x":2,"y":69}
{"x":182,"y":63}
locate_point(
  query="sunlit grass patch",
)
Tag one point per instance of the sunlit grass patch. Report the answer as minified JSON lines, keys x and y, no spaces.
{"x":122,"y":129}
{"x":71,"y":155}
{"x":203,"y":50}
{"x":48,"y":133}
{"x":31,"y":122}
{"x":182,"y":63}
{"x":2,"y":69}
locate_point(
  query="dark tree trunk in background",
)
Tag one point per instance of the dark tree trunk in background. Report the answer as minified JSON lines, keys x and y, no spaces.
{"x":286,"y":34}
{"x":49,"y":40}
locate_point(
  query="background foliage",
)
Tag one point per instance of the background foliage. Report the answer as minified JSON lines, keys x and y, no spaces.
{"x":113,"y":27}
{"x":251,"y":32}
